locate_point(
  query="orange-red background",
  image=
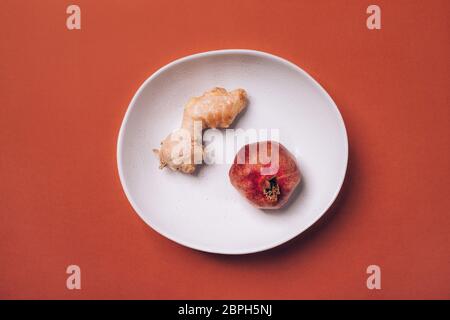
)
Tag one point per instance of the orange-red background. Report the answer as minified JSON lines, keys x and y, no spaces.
{"x":63,"y":95}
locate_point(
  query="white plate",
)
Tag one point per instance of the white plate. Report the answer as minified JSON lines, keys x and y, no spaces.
{"x":204,"y":211}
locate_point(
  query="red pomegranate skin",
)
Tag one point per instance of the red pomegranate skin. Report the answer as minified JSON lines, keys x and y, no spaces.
{"x":265,"y":191}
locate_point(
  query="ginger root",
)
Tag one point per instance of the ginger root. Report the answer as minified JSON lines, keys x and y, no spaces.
{"x":217,"y":108}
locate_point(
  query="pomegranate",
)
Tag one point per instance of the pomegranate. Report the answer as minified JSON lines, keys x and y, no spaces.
{"x":265,"y":173}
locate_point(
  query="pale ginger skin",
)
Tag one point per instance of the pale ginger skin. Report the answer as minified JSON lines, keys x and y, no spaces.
{"x":216,"y":108}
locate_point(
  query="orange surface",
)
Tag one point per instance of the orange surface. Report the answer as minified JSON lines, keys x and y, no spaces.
{"x":63,"y":95}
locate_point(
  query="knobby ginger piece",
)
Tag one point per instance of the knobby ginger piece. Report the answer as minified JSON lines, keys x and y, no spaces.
{"x":217,"y":108}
